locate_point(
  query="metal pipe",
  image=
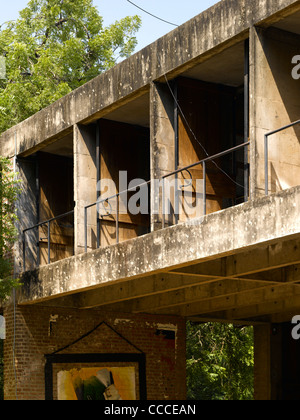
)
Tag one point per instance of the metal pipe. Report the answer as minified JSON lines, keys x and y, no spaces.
{"x":266,"y":165}
{"x":38,"y":258}
{"x":85,"y":228}
{"x":200,"y":162}
{"x":283,"y":128}
{"x":117,"y":219}
{"x":204,"y":189}
{"x":246,"y":119}
{"x":208,"y":159}
{"x":50,"y":220}
{"x":24,"y":251}
{"x":163,"y":203}
{"x":49,"y":243}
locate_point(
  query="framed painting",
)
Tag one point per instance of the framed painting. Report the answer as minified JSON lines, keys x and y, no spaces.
{"x":112,"y":377}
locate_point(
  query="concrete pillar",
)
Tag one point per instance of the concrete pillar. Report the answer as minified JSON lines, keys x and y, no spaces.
{"x":27,"y":213}
{"x":85,"y":186}
{"x":262,"y":375}
{"x":269,"y":342}
{"x":274,"y":102}
{"x":162,"y":142}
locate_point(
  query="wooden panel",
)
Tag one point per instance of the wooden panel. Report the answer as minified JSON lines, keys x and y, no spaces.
{"x":56,"y":198}
{"x":207,"y":129}
{"x":123,"y":147}
{"x":57,"y":252}
{"x":217,"y":183}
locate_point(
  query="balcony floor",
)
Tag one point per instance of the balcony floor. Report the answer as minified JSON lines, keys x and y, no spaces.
{"x":241,"y":265}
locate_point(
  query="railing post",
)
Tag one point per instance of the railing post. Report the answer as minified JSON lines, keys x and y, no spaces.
{"x":85,"y":229}
{"x":246,"y":118}
{"x":98,"y":224}
{"x":204,"y":189}
{"x":117,"y":220}
{"x":163,"y":204}
{"x":38,"y":247}
{"x":24,"y":251}
{"x":266,"y":165}
{"x":49,"y":243}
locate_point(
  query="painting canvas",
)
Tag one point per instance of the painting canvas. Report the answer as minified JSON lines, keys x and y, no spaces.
{"x":102,"y":383}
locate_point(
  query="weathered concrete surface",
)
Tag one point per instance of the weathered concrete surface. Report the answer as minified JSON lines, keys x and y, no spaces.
{"x":274,"y":103}
{"x":162,"y":152}
{"x":222,"y":25}
{"x":85,"y":182}
{"x":265,"y":220}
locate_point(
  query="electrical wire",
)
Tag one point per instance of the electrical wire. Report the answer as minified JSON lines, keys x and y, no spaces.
{"x":156,"y":17}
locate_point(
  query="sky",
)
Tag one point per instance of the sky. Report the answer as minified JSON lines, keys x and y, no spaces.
{"x":174,"y":11}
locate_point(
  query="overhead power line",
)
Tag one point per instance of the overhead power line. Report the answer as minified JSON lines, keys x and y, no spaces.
{"x":156,"y":17}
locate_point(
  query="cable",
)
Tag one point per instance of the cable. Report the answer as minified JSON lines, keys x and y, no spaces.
{"x":156,"y":17}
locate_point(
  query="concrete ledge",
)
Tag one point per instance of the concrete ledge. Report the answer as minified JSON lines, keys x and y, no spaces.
{"x":263,"y":221}
{"x":208,"y":33}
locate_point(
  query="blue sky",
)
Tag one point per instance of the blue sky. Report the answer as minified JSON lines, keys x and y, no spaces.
{"x":175,"y":11}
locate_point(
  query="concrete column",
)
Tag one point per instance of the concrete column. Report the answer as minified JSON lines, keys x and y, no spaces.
{"x":27,"y":213}
{"x":274,"y":102}
{"x":268,"y":357}
{"x":85,"y":186}
{"x":162,"y":142}
{"x":262,"y":363}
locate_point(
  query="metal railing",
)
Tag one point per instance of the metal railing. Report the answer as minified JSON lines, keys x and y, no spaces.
{"x":37,"y":226}
{"x":271,"y":133}
{"x":202,"y":162}
{"x":117,"y":196}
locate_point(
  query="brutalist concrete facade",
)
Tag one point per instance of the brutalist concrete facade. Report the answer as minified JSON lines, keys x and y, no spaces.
{"x":221,"y":82}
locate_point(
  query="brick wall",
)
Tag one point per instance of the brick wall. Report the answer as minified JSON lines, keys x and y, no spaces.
{"x":43,"y":330}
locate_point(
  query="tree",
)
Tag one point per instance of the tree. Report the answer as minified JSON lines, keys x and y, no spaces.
{"x":219,"y":362}
{"x":1,"y":372}
{"x":8,"y":194}
{"x":54,"y":47}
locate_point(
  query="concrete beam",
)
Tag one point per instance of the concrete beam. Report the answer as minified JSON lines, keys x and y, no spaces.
{"x":189,"y":295}
{"x":212,"y":31}
{"x":269,"y":239}
{"x":133,"y":289}
{"x":247,"y":264}
{"x":280,"y":305}
{"x":237,"y":301}
{"x":125,"y":294}
{"x":209,"y":290}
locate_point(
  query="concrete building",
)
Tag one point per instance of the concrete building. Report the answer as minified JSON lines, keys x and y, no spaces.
{"x":103,"y":287}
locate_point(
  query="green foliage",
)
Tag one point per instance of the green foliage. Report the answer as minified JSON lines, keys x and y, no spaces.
{"x":219,"y":362}
{"x":1,"y":372}
{"x":54,"y":47}
{"x":8,"y":194}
